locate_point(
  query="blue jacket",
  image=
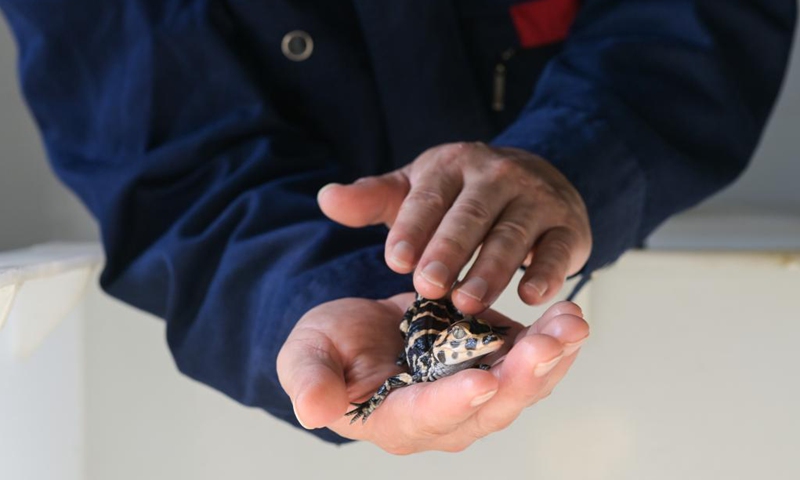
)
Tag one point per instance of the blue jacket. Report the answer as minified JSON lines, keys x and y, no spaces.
{"x":199,"y":145}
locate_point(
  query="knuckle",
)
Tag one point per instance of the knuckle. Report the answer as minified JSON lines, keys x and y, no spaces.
{"x":503,"y":168}
{"x":544,"y":395}
{"x":457,"y":446}
{"x":496,"y":268}
{"x":555,"y":255}
{"x":423,"y":430}
{"x":494,"y":423}
{"x":550,"y":268}
{"x":398,"y":449}
{"x":561,"y":205}
{"x":473,"y":209}
{"x":561,"y":202}
{"x":450,"y":152}
{"x":559,"y":249}
{"x":460,"y":150}
{"x":512,"y":232}
{"x":426,"y":198}
{"x":450,"y":244}
{"x":428,"y":429}
{"x":408,"y":229}
{"x":501,"y":424}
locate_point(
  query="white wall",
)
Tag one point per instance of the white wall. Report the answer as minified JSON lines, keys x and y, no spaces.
{"x":34,"y":207}
{"x":42,"y":397}
{"x":771,"y":181}
{"x":690,"y":374}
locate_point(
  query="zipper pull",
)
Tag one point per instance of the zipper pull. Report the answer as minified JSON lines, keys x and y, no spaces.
{"x":499,"y":83}
{"x":499,"y":88}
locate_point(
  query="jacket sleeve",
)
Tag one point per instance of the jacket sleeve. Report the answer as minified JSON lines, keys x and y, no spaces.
{"x":206,"y":199}
{"x":652,"y":106}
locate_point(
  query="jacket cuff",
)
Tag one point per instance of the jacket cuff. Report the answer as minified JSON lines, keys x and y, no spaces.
{"x":363,"y":271}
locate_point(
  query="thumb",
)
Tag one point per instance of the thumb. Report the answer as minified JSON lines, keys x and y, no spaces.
{"x":310,"y":371}
{"x":368,"y":201}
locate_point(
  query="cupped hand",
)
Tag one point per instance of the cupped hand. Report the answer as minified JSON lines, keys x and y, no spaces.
{"x":342,"y":351}
{"x":455,"y":198}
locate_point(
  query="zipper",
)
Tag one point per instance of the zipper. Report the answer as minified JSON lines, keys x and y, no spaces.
{"x":499,"y":81}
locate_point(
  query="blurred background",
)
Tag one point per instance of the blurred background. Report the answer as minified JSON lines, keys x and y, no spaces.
{"x":692,"y":371}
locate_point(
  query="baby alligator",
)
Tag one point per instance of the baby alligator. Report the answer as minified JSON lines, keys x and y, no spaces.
{"x":439,"y":341}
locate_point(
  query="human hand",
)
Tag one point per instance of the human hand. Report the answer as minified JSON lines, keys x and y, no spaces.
{"x":342,"y":351}
{"x":454,"y":198}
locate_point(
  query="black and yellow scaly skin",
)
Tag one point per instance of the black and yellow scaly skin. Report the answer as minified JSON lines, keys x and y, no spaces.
{"x":439,"y":341}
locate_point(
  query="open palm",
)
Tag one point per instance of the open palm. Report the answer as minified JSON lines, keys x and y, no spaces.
{"x":342,"y":351}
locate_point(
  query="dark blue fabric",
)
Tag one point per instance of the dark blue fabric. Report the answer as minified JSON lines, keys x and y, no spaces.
{"x":199,"y":147}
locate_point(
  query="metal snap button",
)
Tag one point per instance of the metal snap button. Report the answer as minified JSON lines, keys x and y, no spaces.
{"x":297,"y":45}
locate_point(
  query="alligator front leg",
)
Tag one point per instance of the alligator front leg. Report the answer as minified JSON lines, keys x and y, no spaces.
{"x":364,"y":410}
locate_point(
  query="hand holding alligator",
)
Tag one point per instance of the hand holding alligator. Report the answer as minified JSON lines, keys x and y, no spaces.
{"x":324,"y":367}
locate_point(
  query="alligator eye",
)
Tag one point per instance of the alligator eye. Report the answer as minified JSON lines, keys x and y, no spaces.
{"x":459,"y":333}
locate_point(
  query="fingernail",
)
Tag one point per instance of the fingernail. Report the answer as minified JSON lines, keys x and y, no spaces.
{"x":570,"y":348}
{"x":475,"y":288}
{"x":537,"y":284}
{"x":481,"y":399}
{"x":436,"y":273}
{"x":544,"y":368}
{"x":298,"y":418}
{"x":325,"y":188}
{"x":403,"y":254}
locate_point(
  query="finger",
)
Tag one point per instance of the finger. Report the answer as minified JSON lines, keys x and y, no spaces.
{"x":401,"y":301}
{"x":560,"y":371}
{"x":555,"y":377}
{"x":459,"y":234}
{"x":368,"y":201}
{"x":431,"y":195}
{"x":503,"y":251}
{"x":418,"y":417}
{"x":310,"y":371}
{"x":562,"y":324}
{"x":553,"y":312}
{"x":523,"y":377}
{"x":572,"y":331}
{"x":560,"y":308}
{"x":563,"y":320}
{"x":438,"y":408}
{"x":552,"y":260}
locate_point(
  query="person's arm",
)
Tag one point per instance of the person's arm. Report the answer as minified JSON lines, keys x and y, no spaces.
{"x":653,"y":106}
{"x":206,"y":199}
{"x":650,"y":107}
